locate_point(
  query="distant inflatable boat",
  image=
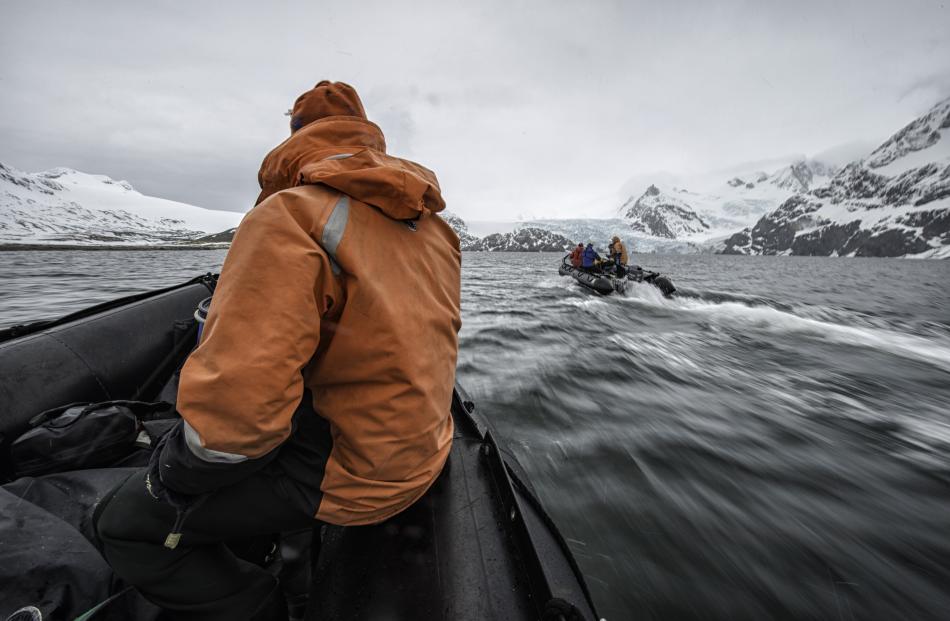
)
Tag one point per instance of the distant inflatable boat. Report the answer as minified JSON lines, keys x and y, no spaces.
{"x":605,"y":283}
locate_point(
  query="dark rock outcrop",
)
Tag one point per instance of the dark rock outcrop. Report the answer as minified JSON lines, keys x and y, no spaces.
{"x":467,"y":241}
{"x":659,"y":215}
{"x":224,"y":237}
{"x":528,"y":239}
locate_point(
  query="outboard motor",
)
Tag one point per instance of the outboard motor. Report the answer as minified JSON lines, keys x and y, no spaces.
{"x":665,"y":285}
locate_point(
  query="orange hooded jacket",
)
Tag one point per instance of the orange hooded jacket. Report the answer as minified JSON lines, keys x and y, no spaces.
{"x":342,"y":280}
{"x":617,"y":247}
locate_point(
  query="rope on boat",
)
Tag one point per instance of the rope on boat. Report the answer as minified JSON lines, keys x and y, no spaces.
{"x":89,"y":614}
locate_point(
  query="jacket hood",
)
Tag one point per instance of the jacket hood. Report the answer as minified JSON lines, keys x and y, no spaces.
{"x":325,"y":99}
{"x":348,"y":153}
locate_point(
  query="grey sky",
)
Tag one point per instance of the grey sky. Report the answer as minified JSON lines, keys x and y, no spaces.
{"x":520,"y":107}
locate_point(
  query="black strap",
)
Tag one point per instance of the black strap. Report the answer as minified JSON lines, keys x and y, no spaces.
{"x":164,"y":368}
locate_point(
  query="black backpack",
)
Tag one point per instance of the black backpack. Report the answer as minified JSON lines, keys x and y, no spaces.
{"x":79,"y":436}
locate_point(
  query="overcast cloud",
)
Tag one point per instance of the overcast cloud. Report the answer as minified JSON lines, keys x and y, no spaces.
{"x":543,"y":108}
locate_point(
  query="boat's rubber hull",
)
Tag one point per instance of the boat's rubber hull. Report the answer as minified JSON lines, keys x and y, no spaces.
{"x":601,"y":283}
{"x":607,"y":283}
{"x":479,"y":534}
{"x":478,"y":546}
{"x":109,"y":354}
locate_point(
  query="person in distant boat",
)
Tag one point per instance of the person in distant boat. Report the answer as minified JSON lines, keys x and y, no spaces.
{"x":589,"y":257}
{"x":618,"y":252}
{"x":322,"y":385}
{"x":577,"y":255}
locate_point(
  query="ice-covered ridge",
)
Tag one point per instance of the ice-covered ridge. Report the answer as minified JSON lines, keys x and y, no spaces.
{"x":700,"y":209}
{"x":658,"y":214}
{"x":925,"y":140}
{"x":65,"y":206}
{"x":894,"y":202}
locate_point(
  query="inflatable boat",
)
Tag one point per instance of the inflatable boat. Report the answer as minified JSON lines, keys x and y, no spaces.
{"x":478,"y":546}
{"x":606,"y":282}
{"x":601,"y":282}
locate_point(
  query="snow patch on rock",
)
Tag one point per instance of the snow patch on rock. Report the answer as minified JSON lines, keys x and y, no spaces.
{"x":896,"y":202}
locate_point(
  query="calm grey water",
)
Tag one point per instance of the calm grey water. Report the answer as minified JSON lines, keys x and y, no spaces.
{"x":773,"y":443}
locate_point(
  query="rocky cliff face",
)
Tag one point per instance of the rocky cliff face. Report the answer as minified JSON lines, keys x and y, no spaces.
{"x":527,"y":239}
{"x":895,"y":202}
{"x":698,"y":209}
{"x":802,"y":175}
{"x":467,"y":241}
{"x":660,"y":215}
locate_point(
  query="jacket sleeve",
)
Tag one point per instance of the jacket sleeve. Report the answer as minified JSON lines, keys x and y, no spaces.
{"x":239,"y":389}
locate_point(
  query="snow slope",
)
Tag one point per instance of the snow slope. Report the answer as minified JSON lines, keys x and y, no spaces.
{"x":658,"y":214}
{"x":599,"y":231}
{"x":467,"y":241}
{"x":526,"y":239}
{"x":64,"y":206}
{"x":701,"y":208}
{"x":895,"y":202}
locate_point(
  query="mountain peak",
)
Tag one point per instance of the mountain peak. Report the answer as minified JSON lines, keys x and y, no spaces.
{"x":927,"y":132}
{"x":525,"y":239}
{"x":66,"y":206}
{"x":72,"y":176}
{"x":660,"y":215}
{"x":467,"y":241}
{"x":522,"y":239}
{"x":896,"y":202}
{"x":802,"y":175}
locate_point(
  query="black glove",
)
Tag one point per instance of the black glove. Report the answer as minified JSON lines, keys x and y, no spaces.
{"x":183,"y":504}
{"x":153,"y":478}
{"x":183,"y":474}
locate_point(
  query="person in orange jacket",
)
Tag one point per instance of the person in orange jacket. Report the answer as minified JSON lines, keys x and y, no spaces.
{"x":322,"y":385}
{"x":618,"y":252}
{"x":577,"y":255}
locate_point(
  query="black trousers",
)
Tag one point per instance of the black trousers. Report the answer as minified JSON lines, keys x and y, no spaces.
{"x":202,"y":578}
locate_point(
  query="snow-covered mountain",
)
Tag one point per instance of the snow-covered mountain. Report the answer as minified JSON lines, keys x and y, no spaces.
{"x":522,"y":239}
{"x":527,"y":239}
{"x":601,"y":230}
{"x":659,"y":215}
{"x":557,"y":235}
{"x":597,"y":231}
{"x":467,"y":241}
{"x":699,"y":209}
{"x":894,"y":202}
{"x":64,"y":206}
{"x":802,"y":175}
